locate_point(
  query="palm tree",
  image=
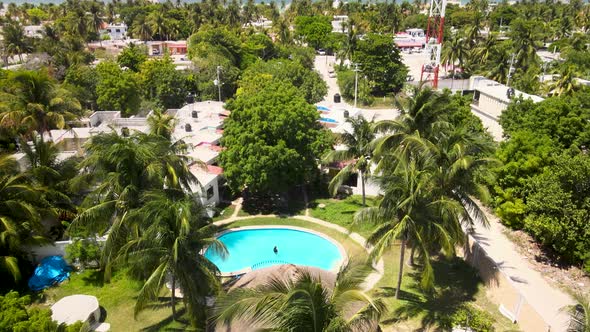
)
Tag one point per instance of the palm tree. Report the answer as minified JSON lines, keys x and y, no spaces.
{"x":37,"y":102}
{"x":95,"y":19}
{"x":358,"y":152}
{"x":305,"y":304}
{"x":142,"y":28}
{"x":161,"y":124}
{"x":159,"y":24}
{"x":454,"y":51}
{"x":121,"y":168}
{"x":566,"y":83}
{"x":409,"y":213}
{"x":172,"y":231}
{"x":20,"y":217}
{"x":579,"y":313}
{"x":14,"y":40}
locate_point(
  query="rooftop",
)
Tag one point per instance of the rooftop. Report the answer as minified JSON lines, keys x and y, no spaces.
{"x":497,"y":90}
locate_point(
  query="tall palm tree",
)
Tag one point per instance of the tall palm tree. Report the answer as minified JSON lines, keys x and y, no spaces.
{"x":159,"y":24}
{"x":121,"y":168}
{"x":95,"y":20}
{"x":565,"y":83}
{"x":454,"y":51}
{"x":579,"y":313}
{"x":20,"y":216}
{"x":14,"y":40}
{"x":305,"y":304}
{"x":142,"y":28}
{"x":409,"y":213}
{"x":172,"y":231}
{"x":37,"y":102}
{"x":357,"y":151}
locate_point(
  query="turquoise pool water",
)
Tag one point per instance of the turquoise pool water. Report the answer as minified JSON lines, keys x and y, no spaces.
{"x":254,"y":248}
{"x":328,"y":120}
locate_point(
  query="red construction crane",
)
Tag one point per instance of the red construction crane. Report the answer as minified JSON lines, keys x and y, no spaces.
{"x":434,"y":40}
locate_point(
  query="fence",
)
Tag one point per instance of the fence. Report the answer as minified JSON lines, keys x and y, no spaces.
{"x":58,"y":248}
{"x":502,"y":291}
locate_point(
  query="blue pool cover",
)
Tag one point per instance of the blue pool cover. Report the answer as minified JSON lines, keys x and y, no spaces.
{"x":328,"y":120}
{"x":322,"y":108}
{"x":51,"y":271}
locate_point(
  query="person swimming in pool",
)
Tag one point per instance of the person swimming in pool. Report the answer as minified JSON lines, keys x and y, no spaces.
{"x":275,"y":250}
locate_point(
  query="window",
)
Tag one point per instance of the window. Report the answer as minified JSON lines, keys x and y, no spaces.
{"x":210,"y":192}
{"x":118,"y":30}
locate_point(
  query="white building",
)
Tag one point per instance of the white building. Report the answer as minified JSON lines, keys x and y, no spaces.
{"x":339,"y":24}
{"x":490,"y":99}
{"x":116,"y":31}
{"x":198,"y":124}
{"x":33,"y":31}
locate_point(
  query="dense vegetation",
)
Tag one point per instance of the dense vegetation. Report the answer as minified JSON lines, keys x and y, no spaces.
{"x":541,"y":186}
{"x":430,"y":162}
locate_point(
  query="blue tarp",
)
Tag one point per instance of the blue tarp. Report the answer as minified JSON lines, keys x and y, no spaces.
{"x":51,"y":271}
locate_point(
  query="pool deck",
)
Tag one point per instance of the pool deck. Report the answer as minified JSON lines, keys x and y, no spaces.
{"x":372,"y":279}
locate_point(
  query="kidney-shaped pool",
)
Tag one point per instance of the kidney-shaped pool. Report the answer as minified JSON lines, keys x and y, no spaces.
{"x":254,"y":247}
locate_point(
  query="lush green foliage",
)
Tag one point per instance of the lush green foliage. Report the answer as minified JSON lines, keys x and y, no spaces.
{"x":83,"y":251}
{"x":272,"y":139}
{"x":469,"y":316}
{"x":379,"y":60}
{"x":116,"y":89}
{"x":313,"y":30}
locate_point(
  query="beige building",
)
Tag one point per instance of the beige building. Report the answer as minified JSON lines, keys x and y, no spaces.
{"x":490,"y":99}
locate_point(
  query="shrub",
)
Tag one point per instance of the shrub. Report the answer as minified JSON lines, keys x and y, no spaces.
{"x":469,"y":316}
{"x":86,"y":251}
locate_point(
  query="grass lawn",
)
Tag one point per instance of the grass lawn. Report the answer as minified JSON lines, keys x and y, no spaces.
{"x":455,"y":281}
{"x":341,"y":212}
{"x":118,"y":300}
{"x":225,"y":211}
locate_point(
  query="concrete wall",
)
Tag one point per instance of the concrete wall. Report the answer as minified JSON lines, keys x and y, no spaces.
{"x":500,"y":289}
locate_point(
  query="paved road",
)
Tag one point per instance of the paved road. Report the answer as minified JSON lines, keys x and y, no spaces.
{"x":322,"y":64}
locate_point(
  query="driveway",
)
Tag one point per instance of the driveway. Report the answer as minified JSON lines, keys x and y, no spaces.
{"x":322,"y":64}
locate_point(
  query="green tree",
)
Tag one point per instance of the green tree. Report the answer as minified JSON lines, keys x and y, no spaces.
{"x":173,"y":230}
{"x":272,"y":140}
{"x":162,"y":83}
{"x":14,"y":40}
{"x":19,"y":317}
{"x":380,"y":61}
{"x":313,"y":30}
{"x":117,"y":90}
{"x":132,"y":57}
{"x":358,"y":153}
{"x":309,"y":82}
{"x":304,"y":303}
{"x":20,"y":212}
{"x":35,"y":102}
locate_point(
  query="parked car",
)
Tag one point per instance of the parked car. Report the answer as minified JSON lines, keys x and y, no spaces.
{"x":321,"y":52}
{"x":332,"y":75}
{"x":409,"y":78}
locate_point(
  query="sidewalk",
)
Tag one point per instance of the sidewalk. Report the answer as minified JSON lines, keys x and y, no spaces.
{"x":546,"y":299}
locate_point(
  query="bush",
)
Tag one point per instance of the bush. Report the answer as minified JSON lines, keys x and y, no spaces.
{"x":469,"y":316}
{"x":86,"y":251}
{"x":346,"y":83}
{"x":16,"y":316}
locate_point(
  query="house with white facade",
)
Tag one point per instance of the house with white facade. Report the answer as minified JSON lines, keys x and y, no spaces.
{"x":116,"y":31}
{"x":33,"y":31}
{"x":490,"y":99}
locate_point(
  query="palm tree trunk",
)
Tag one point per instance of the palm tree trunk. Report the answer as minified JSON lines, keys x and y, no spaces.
{"x":453,"y":77}
{"x":363,"y":187}
{"x":401,"y":267}
{"x":173,"y":300}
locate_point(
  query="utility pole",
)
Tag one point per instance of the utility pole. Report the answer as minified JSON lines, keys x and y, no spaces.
{"x":510,"y":70}
{"x":218,"y":82}
{"x":356,"y":82}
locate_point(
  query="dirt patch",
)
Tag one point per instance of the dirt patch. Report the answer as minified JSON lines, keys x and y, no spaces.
{"x":570,"y":278}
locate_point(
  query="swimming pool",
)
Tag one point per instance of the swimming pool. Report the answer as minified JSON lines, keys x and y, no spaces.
{"x":252,"y":247}
{"x":328,"y":120}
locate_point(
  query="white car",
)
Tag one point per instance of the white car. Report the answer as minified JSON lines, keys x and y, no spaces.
{"x":321,"y":52}
{"x":332,"y":75}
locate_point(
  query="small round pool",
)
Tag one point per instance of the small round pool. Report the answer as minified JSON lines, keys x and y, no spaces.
{"x":253,"y":247}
